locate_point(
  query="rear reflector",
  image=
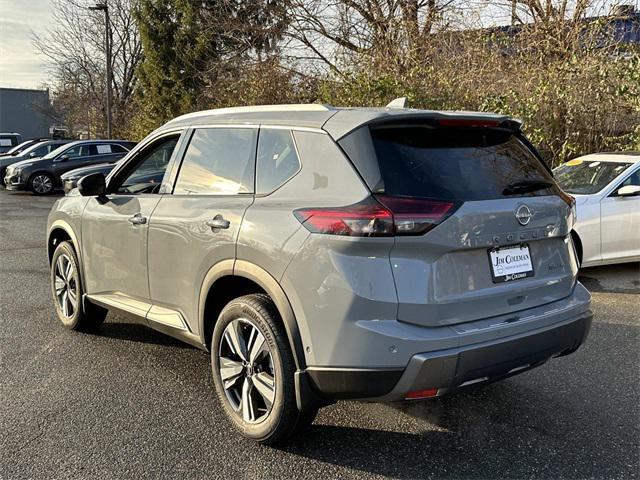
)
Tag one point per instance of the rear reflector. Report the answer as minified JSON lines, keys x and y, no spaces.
{"x":417,"y":394}
{"x":382,"y":216}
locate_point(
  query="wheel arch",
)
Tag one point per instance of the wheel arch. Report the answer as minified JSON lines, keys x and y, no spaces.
{"x":61,"y":231}
{"x":246,"y":278}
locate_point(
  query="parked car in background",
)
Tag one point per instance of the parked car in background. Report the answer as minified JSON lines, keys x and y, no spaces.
{"x":35,"y":150}
{"x":70,"y":179}
{"x":22,"y":146}
{"x":322,"y":254}
{"x":606,"y":187}
{"x":42,"y":175}
{"x":8,"y":141}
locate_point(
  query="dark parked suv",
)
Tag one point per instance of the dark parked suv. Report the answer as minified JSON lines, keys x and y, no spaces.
{"x":320,"y":254}
{"x":34,"y":151}
{"x":42,"y":175}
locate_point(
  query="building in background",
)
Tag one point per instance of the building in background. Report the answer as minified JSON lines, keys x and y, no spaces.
{"x":25,"y":111}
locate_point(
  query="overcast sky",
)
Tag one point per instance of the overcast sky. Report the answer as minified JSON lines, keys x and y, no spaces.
{"x":20,"y":63}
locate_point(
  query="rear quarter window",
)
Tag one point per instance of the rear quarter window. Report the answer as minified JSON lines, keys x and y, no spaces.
{"x":277,"y":159}
{"x":461,"y":164}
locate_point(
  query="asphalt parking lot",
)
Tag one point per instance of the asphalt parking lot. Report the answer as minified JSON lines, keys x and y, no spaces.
{"x":128,"y":402}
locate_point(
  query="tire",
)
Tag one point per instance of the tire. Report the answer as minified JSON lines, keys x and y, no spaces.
{"x":41,"y":183}
{"x":66,"y":286}
{"x":256,"y":375}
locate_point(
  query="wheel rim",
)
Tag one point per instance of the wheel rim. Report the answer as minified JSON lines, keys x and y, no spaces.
{"x":246,"y":370}
{"x":66,"y":286}
{"x":42,"y":184}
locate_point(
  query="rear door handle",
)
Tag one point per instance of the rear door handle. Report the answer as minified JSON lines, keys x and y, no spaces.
{"x":138,"y":219}
{"x":218,"y":222}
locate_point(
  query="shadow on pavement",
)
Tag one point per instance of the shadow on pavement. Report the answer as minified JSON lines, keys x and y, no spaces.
{"x":525,"y":427}
{"x":137,"y":332}
{"x":622,"y":278}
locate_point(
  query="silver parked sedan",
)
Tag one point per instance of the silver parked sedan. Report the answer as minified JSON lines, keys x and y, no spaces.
{"x":606,"y":187}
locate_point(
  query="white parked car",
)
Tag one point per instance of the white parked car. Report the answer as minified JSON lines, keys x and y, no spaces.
{"x":607,"y":191}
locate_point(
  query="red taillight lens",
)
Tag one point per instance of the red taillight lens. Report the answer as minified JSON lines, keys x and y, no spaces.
{"x":418,"y":394}
{"x":364,"y":219}
{"x":385,"y":217}
{"x":416,"y":216}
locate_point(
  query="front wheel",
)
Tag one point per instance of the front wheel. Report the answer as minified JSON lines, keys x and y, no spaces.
{"x":253,"y":371}
{"x":66,"y":288}
{"x":41,"y":183}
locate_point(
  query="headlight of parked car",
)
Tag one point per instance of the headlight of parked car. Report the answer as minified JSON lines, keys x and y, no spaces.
{"x":18,"y":170}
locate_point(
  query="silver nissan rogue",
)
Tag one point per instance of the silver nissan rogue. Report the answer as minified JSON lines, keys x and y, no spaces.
{"x":322,"y":253}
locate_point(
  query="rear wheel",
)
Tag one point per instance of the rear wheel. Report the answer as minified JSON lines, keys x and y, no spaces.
{"x":41,"y":183}
{"x":66,"y":288}
{"x":253,"y":371}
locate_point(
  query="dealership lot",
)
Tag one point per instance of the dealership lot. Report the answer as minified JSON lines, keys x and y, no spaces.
{"x":128,"y":402}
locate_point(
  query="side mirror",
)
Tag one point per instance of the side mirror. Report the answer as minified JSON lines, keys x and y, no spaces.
{"x":33,"y":155}
{"x":628,"y":191}
{"x":92,"y":185}
{"x":63,"y":158}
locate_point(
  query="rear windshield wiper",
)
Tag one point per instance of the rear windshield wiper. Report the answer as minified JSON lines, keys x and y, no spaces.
{"x":526,"y":186}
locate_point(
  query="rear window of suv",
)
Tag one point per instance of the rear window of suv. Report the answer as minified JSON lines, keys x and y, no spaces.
{"x":461,"y":164}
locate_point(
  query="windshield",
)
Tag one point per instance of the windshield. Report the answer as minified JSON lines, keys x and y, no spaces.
{"x":585,"y":177}
{"x":18,"y":148}
{"x":57,"y":151}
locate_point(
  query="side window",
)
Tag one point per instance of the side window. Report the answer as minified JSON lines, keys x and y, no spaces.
{"x":104,"y":149}
{"x":115,"y":148}
{"x":147,"y":171}
{"x":277,"y":159}
{"x":89,"y":151}
{"x":634,"y":179}
{"x":40,"y":151}
{"x":74,"y":152}
{"x":218,"y":161}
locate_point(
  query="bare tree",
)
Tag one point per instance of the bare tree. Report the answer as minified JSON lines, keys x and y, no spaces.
{"x":75,"y":48}
{"x":336,"y":31}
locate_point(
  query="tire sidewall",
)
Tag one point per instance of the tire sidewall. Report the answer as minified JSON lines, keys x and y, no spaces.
{"x":67,"y":249}
{"x":263,"y":430}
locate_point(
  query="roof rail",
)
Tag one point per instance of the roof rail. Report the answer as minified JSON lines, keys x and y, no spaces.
{"x":293,"y":107}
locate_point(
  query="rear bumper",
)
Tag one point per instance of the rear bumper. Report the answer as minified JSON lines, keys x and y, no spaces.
{"x":455,"y":368}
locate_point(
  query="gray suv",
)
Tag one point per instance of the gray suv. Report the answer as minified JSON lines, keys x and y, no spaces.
{"x":322,"y":254}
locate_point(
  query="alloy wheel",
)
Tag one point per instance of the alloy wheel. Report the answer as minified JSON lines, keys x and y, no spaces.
{"x":66,"y":286}
{"x":246,"y":369}
{"x":42,"y":184}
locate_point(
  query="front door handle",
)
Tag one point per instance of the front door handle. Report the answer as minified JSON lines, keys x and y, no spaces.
{"x":218,"y":222}
{"x":138,"y":219}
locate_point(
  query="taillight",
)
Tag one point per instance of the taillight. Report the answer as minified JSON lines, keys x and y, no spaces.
{"x":385,"y":217}
{"x":571,"y":201}
{"x":568,"y":199}
{"x":364,"y":219}
{"x":416,"y":216}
